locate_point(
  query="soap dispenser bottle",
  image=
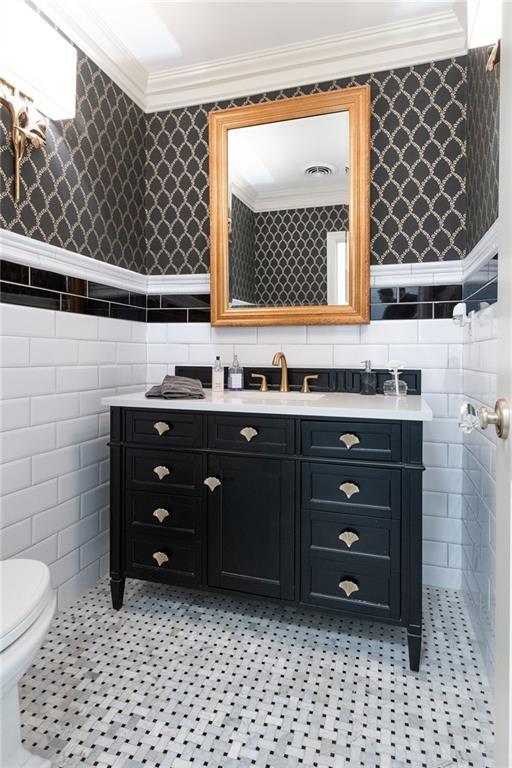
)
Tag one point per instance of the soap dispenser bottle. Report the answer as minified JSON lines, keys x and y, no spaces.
{"x":235,"y":375}
{"x":368,"y":379}
{"x":218,"y":376}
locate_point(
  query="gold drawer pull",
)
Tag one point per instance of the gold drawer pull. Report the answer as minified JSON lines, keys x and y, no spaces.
{"x":160,"y":558}
{"x":161,"y":514}
{"x":349,"y":489}
{"x":248,"y":433}
{"x":212,"y":483}
{"x":161,"y":472}
{"x":348,"y":538}
{"x":349,"y":439}
{"x":161,"y":427}
{"x":348,"y":587}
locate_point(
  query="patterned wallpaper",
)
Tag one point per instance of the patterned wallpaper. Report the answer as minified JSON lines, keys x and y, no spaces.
{"x":241,"y":252}
{"x":85,"y":191}
{"x":291,"y":254}
{"x":418,"y":194}
{"x":482,"y":145}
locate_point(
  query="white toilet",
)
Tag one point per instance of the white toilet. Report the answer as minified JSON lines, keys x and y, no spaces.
{"x":26,"y":611}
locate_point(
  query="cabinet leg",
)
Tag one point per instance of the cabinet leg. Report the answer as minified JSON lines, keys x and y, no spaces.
{"x":117,"y":592}
{"x":414,"y":643}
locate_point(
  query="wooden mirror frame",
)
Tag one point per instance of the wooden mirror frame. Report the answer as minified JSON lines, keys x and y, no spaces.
{"x":356,"y":101}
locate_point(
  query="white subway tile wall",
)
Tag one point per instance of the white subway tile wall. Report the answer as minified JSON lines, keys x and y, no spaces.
{"x":55,"y":463}
{"x":435,"y":346}
{"x":56,"y":367}
{"x":478,"y":498}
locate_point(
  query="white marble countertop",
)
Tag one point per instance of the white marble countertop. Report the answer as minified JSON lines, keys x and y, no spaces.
{"x":333,"y":404}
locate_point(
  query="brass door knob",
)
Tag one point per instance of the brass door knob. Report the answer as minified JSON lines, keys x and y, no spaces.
{"x":161,"y":558}
{"x":349,"y":440}
{"x":161,"y":427}
{"x":348,"y":538}
{"x":161,"y":472}
{"x":212,"y":483}
{"x":161,"y":514}
{"x":348,"y":587}
{"x":305,"y":384}
{"x":248,"y":433}
{"x":349,"y":489}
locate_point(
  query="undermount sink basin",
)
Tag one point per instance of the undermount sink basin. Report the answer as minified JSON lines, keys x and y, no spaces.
{"x":251,"y":394}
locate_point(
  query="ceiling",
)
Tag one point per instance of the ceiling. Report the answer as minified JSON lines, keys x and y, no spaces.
{"x":267,"y":162}
{"x":169,"y":53}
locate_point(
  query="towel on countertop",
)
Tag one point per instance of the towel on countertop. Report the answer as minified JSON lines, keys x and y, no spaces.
{"x":176,"y":388}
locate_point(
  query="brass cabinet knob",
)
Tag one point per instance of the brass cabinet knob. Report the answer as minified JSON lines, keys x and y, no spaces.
{"x":161,"y":514}
{"x":263,"y":385}
{"x":212,"y":483}
{"x":161,"y":427}
{"x":348,"y":586}
{"x":161,"y":558}
{"x":161,"y":472}
{"x":248,"y":433}
{"x":349,"y":440}
{"x":348,"y":538}
{"x":305,"y":384}
{"x":349,"y":489}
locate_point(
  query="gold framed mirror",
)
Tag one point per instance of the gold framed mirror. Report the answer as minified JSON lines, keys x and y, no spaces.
{"x":290,"y":211}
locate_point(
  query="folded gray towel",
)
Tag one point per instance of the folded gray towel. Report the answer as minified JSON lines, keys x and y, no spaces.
{"x":176,"y":388}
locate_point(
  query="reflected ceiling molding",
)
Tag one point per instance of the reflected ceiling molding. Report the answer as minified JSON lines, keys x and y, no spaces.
{"x":388,"y":46}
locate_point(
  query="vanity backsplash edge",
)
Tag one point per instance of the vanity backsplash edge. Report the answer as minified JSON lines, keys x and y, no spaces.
{"x":329,"y":379}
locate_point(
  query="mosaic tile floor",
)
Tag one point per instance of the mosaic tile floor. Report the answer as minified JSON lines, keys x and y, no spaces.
{"x":179,"y":678}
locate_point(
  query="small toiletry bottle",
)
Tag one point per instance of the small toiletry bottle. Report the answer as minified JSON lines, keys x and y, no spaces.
{"x":395,"y":387}
{"x":368,"y":379}
{"x":218,"y":376}
{"x":235,"y":375}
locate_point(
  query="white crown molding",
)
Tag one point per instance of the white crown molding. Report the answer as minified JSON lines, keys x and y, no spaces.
{"x":34,"y":253}
{"x":425,"y":39}
{"x":300,"y":198}
{"x":387,"y":46}
{"x":99,"y":42}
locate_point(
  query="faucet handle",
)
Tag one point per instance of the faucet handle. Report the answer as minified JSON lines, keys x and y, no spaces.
{"x":263,"y":385}
{"x":305,"y":384}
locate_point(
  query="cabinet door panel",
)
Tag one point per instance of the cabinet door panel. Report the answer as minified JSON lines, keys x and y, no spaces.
{"x":250,"y":525}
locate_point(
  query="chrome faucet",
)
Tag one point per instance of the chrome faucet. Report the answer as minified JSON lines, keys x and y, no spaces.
{"x":280,"y":358}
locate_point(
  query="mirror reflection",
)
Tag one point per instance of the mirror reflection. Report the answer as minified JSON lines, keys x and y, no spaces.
{"x":288,"y":194}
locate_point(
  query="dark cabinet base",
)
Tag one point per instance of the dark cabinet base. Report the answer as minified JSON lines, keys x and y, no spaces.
{"x":272,"y":508}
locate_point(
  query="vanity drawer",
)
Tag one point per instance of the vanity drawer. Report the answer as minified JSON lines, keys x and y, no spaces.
{"x":329,"y":582}
{"x":351,"y":489}
{"x":159,"y":512}
{"x":251,"y":434}
{"x":352,"y":535}
{"x":164,"y":428}
{"x":367,"y":441}
{"x":180,"y":472}
{"x":179,"y":564}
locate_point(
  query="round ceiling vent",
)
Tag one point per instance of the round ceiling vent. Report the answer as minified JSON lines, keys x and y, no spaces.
{"x":319,"y":170}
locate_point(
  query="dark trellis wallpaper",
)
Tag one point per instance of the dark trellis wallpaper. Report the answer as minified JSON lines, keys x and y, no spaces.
{"x":291,"y":254}
{"x":241,"y":252}
{"x":482,"y":145}
{"x":418,"y":170}
{"x":132,"y":190}
{"x":85,"y":191}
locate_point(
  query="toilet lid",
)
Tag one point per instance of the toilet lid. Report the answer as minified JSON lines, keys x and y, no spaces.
{"x":24,"y":592}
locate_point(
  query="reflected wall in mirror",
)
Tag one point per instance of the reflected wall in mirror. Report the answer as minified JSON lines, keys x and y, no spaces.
{"x":290,"y":211}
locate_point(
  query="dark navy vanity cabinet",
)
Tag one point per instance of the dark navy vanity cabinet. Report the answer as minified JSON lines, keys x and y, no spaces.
{"x":314,"y":511}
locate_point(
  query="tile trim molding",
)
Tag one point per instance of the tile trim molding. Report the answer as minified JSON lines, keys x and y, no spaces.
{"x":387,"y":46}
{"x":35,"y":253}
